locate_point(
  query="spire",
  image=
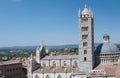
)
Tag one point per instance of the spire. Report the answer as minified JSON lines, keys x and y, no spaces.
{"x":79,"y":12}
{"x":85,"y":6}
{"x":31,"y":55}
{"x":30,"y":67}
{"x":42,"y":45}
{"x":89,"y":10}
{"x":47,"y":50}
{"x":92,"y":13}
{"x":42,"y":51}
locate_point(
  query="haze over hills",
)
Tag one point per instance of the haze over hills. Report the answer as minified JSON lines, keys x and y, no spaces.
{"x":50,"y":47}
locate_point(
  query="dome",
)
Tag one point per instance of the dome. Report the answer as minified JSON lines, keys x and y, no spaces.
{"x":85,"y":11}
{"x":106,"y":48}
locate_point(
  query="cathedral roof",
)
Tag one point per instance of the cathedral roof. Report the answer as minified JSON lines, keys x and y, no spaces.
{"x":64,"y":57}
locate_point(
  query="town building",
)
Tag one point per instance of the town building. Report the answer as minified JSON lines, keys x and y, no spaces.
{"x":104,"y":62}
{"x":11,"y":69}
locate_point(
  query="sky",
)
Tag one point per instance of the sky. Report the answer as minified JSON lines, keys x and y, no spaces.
{"x":29,"y":22}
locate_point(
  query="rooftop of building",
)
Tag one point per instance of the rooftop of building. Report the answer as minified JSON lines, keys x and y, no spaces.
{"x":62,"y":57}
{"x":10,"y":62}
{"x":110,"y":69}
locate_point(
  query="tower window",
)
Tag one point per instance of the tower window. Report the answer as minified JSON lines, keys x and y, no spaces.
{"x":84,"y":28}
{"x":85,"y":44}
{"x":84,"y":36}
{"x":85,"y":51}
{"x":85,"y":59}
{"x":84,"y":19}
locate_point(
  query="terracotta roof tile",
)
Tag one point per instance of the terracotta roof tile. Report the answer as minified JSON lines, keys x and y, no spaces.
{"x":10,"y":62}
{"x":109,"y":69}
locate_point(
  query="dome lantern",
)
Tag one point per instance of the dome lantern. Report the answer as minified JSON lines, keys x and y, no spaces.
{"x":106,"y":38}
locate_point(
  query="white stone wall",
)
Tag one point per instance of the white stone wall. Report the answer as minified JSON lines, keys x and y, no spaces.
{"x":65,"y":61}
{"x":69,"y":62}
{"x":57,"y":62}
{"x":52,"y":75}
{"x":67,"y":75}
{"x":46,"y":62}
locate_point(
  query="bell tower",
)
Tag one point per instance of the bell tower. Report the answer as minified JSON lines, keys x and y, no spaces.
{"x":86,"y":40}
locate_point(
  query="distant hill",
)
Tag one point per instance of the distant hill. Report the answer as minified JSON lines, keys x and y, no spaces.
{"x":34,"y":47}
{"x":64,"y":46}
{"x":50,"y":47}
{"x":19,"y":47}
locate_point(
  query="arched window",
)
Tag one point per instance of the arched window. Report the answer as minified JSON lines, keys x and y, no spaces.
{"x":85,"y":51}
{"x":36,"y":76}
{"x":71,"y":76}
{"x":54,"y":64}
{"x":85,"y":44}
{"x":75,"y":63}
{"x":65,"y":64}
{"x":59,"y":76}
{"x":85,"y":59}
{"x":44,"y":64}
{"x":47,"y":76}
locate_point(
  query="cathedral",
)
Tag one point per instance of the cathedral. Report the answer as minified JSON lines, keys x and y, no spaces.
{"x":100,"y":62}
